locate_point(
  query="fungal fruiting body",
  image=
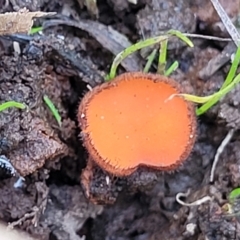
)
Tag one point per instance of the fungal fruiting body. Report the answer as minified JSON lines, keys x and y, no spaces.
{"x":137,"y":120}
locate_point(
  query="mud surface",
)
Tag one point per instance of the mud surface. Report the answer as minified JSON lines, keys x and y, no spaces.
{"x":64,"y":195}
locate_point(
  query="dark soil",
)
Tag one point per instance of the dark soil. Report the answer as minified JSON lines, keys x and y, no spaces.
{"x":64,"y":195}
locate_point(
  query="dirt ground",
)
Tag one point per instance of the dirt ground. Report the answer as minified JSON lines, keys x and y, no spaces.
{"x":66,"y":197}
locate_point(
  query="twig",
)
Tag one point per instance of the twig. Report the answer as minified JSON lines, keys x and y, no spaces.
{"x":220,"y":149}
{"x":224,"y":57}
{"x":195,"y":203}
{"x":26,"y":216}
{"x":192,"y":35}
{"x":227,"y":22}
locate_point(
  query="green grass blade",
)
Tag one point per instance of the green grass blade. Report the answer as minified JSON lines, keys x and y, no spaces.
{"x":201,"y":110}
{"x":193,"y":98}
{"x":181,"y":36}
{"x":235,"y":193}
{"x":10,"y":104}
{"x":233,"y":69}
{"x":227,"y":82}
{"x":208,"y":100}
{"x":150,"y":60}
{"x":146,"y":43}
{"x":172,"y":68}
{"x":53,"y":109}
{"x":35,"y":30}
{"x":216,"y":97}
{"x":162,"y":57}
{"x":133,"y":48}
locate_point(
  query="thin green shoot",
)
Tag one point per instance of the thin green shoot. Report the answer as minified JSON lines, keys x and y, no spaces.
{"x":229,"y":79}
{"x":163,"y":53}
{"x":162,"y":61}
{"x":216,"y":95}
{"x":35,"y":30}
{"x":172,"y":68}
{"x":150,"y":60}
{"x":228,"y":85}
{"x":11,"y":104}
{"x":233,"y":198}
{"x":133,"y":48}
{"x":235,"y":193}
{"x":194,"y":98}
{"x":233,"y":69}
{"x":181,"y":36}
{"x":207,"y":105}
{"x":142,"y":44}
{"x":53,"y":109}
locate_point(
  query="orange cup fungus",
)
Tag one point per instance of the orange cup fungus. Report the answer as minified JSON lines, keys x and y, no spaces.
{"x":136,"y":120}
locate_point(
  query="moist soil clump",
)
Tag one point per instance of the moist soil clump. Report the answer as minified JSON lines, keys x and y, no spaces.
{"x":49,"y":185}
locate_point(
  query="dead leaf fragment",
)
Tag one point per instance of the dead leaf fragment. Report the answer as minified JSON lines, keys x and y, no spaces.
{"x":19,"y":22}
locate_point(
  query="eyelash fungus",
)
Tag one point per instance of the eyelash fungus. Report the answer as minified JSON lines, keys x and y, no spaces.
{"x":137,"y":119}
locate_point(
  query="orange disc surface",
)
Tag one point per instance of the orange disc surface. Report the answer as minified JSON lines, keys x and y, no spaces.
{"x":136,"y":120}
